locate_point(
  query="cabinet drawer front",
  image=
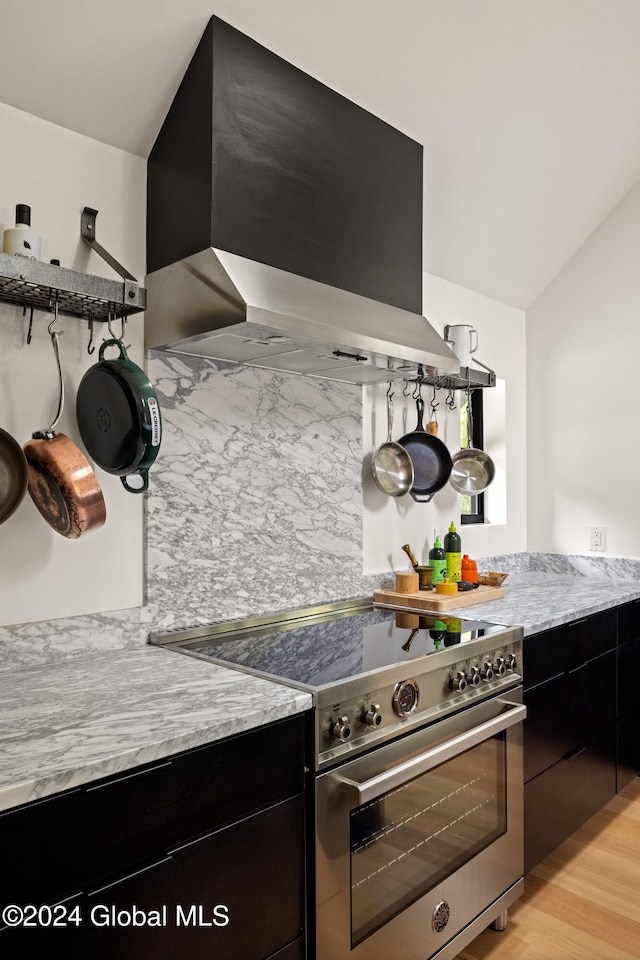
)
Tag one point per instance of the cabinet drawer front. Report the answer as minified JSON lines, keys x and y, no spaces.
{"x":564,"y":648}
{"x":39,"y":856}
{"x":562,"y":798}
{"x":566,"y":712}
{"x":628,"y":673}
{"x":250,"y":875}
{"x":134,"y":817}
{"x":629,"y":621}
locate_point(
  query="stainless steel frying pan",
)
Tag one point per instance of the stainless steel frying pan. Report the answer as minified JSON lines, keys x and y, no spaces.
{"x":14,"y":475}
{"x":431,"y":460}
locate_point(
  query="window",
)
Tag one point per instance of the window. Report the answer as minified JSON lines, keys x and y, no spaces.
{"x":472,"y":507}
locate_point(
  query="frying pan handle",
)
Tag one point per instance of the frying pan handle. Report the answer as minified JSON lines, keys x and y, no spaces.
{"x":145,"y":482}
{"x":421,"y":497}
{"x":420,"y":409}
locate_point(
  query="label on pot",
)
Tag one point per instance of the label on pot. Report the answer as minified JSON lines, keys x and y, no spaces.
{"x":156,"y":429}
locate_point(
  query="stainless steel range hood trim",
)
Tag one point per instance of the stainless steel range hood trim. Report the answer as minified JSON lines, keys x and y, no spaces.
{"x":217,"y":294}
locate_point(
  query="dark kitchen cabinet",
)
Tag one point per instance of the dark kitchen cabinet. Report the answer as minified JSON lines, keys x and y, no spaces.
{"x":248,"y":905}
{"x":207,"y":846}
{"x":566,"y":795}
{"x":628,"y":704}
{"x":570,"y":730}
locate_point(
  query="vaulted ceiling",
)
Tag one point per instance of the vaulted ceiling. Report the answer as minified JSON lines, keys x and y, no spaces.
{"x":527,"y":109}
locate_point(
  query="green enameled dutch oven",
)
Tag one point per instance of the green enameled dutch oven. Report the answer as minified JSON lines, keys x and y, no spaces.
{"x":119,"y":417}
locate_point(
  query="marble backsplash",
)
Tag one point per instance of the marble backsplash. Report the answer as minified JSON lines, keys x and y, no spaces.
{"x":600,"y":568}
{"x":254,"y":505}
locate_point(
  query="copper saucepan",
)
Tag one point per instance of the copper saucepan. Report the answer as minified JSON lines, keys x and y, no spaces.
{"x":62,"y":483}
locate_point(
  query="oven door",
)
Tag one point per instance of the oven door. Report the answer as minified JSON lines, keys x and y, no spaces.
{"x":419,"y":840}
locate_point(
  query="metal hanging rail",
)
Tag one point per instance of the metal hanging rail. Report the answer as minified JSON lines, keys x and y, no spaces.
{"x":468,"y":378}
{"x":34,"y":285}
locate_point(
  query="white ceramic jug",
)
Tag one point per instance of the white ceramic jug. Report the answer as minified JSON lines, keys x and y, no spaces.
{"x":463,"y":339}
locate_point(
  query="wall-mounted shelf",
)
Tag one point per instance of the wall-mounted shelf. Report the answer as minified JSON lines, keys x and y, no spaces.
{"x":33,"y":284}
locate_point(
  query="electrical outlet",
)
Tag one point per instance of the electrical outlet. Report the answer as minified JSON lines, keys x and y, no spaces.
{"x":597,"y":538}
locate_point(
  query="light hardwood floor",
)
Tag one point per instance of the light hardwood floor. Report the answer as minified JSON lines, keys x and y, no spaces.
{"x":583,"y":901}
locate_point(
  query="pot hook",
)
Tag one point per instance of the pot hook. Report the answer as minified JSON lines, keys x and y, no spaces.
{"x":434,"y":405}
{"x":451,"y":398}
{"x":48,"y":434}
{"x":90,"y":348}
{"x":122,"y":322}
{"x":469,"y":412}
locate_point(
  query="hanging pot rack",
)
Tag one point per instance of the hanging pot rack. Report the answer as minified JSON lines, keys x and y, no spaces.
{"x":34,"y":285}
{"x":468,"y":379}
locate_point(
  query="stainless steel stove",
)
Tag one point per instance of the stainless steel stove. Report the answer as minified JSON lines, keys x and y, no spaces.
{"x":415,"y":773}
{"x":374,"y":672}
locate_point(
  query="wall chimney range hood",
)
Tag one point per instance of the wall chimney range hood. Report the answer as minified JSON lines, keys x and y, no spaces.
{"x":284,"y":225}
{"x":220,"y":305}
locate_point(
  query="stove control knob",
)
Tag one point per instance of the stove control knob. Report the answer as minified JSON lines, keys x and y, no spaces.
{"x":512,"y":663}
{"x":459,"y":682}
{"x":372,"y":717}
{"x":473,"y":677}
{"x":500,"y":667}
{"x":486,"y":671}
{"x":341,"y":729}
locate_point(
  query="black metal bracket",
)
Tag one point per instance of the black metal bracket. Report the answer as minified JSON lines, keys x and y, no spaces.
{"x":88,"y":233}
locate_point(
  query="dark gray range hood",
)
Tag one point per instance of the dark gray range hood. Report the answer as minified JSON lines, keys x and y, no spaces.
{"x":284,"y":225}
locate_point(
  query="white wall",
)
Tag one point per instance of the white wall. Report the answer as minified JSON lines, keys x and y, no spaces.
{"x":390,"y":522}
{"x":583,"y":342}
{"x":57,"y":172}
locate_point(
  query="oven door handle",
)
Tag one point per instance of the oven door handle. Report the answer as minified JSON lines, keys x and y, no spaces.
{"x":408,"y":769}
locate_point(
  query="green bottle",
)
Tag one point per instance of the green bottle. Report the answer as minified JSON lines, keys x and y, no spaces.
{"x":438,"y":560}
{"x":453,"y":552}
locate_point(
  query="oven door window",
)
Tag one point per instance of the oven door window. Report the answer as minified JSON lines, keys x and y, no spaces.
{"x":413,"y":837}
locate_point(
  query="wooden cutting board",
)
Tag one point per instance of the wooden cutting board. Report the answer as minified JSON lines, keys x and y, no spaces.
{"x":439,"y":602}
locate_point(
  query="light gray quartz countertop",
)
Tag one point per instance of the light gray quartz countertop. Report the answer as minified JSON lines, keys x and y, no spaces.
{"x":74,"y":721}
{"x":539,"y":601}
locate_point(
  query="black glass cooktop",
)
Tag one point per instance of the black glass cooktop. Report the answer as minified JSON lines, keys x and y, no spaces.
{"x":326,"y":649}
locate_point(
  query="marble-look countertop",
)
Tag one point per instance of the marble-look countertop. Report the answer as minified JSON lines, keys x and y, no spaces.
{"x":70,"y":722}
{"x":75,"y":721}
{"x":539,"y":601}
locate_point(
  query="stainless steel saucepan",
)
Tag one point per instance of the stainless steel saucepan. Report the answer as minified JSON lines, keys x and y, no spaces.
{"x":391,"y":465}
{"x":473,"y":469}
